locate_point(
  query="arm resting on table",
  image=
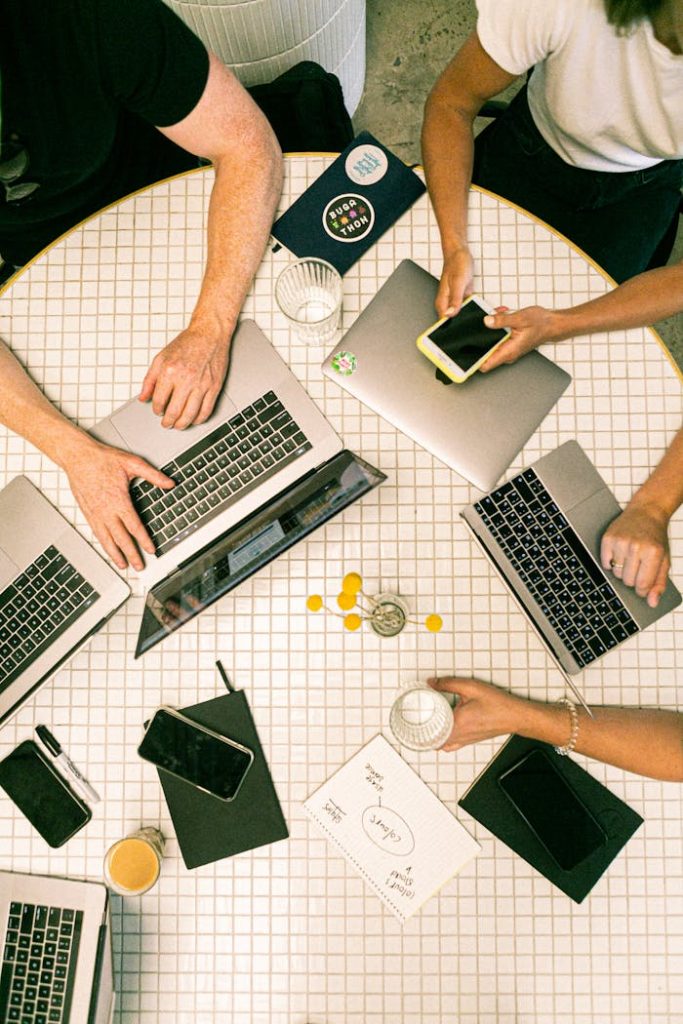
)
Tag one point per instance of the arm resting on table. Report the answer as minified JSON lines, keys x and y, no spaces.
{"x":641,"y":740}
{"x":227,"y":127}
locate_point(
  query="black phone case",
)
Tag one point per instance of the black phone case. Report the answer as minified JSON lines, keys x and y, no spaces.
{"x":30,"y":807}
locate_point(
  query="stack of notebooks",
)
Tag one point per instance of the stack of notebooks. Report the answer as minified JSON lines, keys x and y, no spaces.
{"x":486,"y":801}
{"x":209,"y":829}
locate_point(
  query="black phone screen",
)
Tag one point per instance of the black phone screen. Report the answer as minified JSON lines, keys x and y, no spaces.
{"x":553,"y":811}
{"x":42,"y":795}
{"x":464,"y":338}
{"x":214,"y":763}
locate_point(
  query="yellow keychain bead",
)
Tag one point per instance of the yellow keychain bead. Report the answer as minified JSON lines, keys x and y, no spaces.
{"x":433,"y":623}
{"x":314,"y":603}
{"x":346,"y":601}
{"x":352,"y":622}
{"x":351,"y":583}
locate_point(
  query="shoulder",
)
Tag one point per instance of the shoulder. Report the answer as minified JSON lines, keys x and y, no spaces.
{"x":520,"y":33}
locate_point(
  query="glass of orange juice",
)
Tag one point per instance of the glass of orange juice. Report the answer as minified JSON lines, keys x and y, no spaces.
{"x":132,"y":865}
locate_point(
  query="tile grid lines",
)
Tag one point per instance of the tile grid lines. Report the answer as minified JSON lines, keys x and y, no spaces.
{"x":279,"y":944}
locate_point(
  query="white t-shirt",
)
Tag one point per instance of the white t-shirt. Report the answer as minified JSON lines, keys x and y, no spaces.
{"x":603,"y":101}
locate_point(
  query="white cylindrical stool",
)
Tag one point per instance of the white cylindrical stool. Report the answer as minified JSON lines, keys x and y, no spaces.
{"x":260,"y":39}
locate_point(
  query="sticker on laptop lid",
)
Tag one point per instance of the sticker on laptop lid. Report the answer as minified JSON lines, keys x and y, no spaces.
{"x":348,"y":218}
{"x":344,"y":363}
{"x":366,"y":165}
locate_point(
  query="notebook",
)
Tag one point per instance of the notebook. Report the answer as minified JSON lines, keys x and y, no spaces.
{"x":209,"y":829}
{"x":350,"y":206}
{"x":542,"y":531}
{"x":391,"y":827}
{"x":477,"y":428}
{"x":487,"y":803}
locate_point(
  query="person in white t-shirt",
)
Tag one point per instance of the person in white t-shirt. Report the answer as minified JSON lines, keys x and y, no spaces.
{"x":592,"y":145}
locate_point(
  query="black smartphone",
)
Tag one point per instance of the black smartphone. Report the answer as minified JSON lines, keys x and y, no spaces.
{"x":42,"y":794}
{"x":211,"y":762}
{"x":558,"y":818}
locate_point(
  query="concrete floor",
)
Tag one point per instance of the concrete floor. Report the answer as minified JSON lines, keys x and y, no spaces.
{"x":409,"y":42}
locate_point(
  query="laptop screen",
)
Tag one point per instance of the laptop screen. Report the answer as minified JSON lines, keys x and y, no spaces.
{"x":253,"y":543}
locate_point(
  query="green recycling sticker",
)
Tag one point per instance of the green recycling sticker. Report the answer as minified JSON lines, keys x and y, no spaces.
{"x":344,"y":363}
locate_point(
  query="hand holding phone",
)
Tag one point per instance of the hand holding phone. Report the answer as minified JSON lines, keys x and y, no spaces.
{"x":213,"y":763}
{"x":458,"y":345}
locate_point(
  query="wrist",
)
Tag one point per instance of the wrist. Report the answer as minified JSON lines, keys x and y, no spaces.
{"x":71,"y":445}
{"x":659,"y":507}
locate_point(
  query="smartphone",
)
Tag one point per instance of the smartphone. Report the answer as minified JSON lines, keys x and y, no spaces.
{"x":211,"y":762}
{"x":558,"y":818}
{"x":42,"y":794}
{"x":459,"y":344}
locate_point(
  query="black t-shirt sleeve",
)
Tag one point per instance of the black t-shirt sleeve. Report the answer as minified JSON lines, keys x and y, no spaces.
{"x":155,"y":65}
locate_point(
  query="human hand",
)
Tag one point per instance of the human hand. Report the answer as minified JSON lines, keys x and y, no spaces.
{"x":482,"y":712}
{"x":457,"y":282}
{"x":635,"y":547}
{"x":100,"y":478}
{"x":185,"y":378}
{"x":530,"y":327}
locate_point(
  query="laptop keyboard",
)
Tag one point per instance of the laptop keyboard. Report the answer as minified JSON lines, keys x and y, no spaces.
{"x":39,"y":963}
{"x":236,"y":457}
{"x":47,"y":598}
{"x":556,"y":567}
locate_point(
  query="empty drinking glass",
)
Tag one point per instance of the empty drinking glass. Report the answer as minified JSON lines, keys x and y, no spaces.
{"x":309,"y":293}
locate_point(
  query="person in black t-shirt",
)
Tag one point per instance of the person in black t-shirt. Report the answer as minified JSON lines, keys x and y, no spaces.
{"x":99,"y":98}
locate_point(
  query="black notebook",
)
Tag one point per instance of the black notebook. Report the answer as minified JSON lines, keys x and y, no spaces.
{"x":350,"y":206}
{"x":486,"y":801}
{"x":209,"y":829}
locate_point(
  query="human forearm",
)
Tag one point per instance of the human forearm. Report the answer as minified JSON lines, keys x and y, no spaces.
{"x":649,"y":742}
{"x":241,"y":211}
{"x":663,"y":490}
{"x":643,"y":300}
{"x":26,"y":411}
{"x":641,"y":740}
{"x":447,"y":154}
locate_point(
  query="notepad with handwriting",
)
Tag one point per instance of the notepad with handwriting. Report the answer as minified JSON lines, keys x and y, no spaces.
{"x":391,"y":827}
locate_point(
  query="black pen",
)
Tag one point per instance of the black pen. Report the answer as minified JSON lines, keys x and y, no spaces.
{"x":67,"y":764}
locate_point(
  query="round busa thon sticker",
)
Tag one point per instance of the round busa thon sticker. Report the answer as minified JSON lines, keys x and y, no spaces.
{"x":348,"y":218}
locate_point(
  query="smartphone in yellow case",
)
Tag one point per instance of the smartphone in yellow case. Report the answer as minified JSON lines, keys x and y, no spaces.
{"x":458,"y":345}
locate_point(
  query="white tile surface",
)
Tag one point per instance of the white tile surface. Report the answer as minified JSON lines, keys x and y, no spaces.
{"x":289,"y":934}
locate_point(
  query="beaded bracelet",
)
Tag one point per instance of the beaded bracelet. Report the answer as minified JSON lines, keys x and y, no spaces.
{"x":571,"y":742}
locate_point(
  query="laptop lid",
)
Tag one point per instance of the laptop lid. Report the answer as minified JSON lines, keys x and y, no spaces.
{"x":251,"y":544}
{"x":477,"y":428}
{"x":79,"y":912}
{"x":256,"y":369}
{"x":55,"y":592}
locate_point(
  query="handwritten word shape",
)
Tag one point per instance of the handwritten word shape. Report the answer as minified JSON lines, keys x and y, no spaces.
{"x":388,"y":830}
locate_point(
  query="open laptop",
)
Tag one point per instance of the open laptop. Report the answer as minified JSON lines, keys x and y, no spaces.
{"x":56,"y":964}
{"x":264,"y":471}
{"x":542,"y":530}
{"x":477,"y":428}
{"x":55,"y":592}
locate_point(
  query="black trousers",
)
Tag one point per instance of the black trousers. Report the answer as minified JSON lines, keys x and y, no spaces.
{"x":619,"y":219}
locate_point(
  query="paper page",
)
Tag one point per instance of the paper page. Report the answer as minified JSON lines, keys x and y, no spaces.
{"x":393,"y":829}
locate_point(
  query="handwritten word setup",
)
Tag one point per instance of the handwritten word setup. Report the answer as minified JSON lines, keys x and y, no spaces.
{"x":387,"y":822}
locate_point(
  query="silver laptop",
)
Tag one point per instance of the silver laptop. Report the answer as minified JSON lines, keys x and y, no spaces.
{"x":265,"y":470}
{"x":55,"y":951}
{"x":542,"y":530}
{"x":476,"y":428}
{"x":55,"y":592}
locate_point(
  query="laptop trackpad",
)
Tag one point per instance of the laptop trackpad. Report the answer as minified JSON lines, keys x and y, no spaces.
{"x":8,"y":570}
{"x":141,"y":430}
